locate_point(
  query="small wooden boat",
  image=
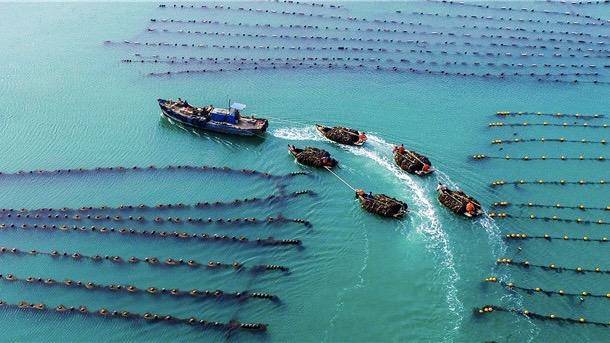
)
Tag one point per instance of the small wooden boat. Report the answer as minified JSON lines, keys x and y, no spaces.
{"x":412,"y":162}
{"x":223,"y":120}
{"x":312,"y":157}
{"x":458,"y":202}
{"x":381,"y":204}
{"x":342,"y":135}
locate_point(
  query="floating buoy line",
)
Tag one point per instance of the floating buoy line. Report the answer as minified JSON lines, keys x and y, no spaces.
{"x":525,"y":124}
{"x":120,"y":169}
{"x":556,"y":205}
{"x":126,"y":315}
{"x":551,"y":317}
{"x":288,"y":66}
{"x":521,"y":9}
{"x":540,"y":158}
{"x":505,"y":19}
{"x":512,"y":286}
{"x":383,"y":50}
{"x":550,"y":267}
{"x":129,"y":289}
{"x":168,"y":206}
{"x":554,"y":115}
{"x":152,"y":261}
{"x":575,"y":3}
{"x":269,"y":62}
{"x":523,"y":236}
{"x":201,"y":237}
{"x":544,"y":140}
{"x":200,"y":59}
{"x":561,"y":182}
{"x":492,"y":37}
{"x":158,"y":219}
{"x":504,"y":215}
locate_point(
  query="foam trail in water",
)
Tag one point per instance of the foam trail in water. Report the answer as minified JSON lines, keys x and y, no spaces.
{"x":306,"y":133}
{"x":430,"y":224}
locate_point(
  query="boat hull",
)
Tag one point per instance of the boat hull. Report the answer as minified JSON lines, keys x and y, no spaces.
{"x":322,"y":130}
{"x":210,"y":125}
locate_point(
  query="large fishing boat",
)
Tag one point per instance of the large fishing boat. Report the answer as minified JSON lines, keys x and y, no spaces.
{"x":212,"y":118}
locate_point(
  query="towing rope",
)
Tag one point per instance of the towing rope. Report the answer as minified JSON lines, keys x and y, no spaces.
{"x":340,"y":179}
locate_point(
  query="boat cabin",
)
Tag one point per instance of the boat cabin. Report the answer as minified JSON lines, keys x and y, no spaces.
{"x":231,"y":115}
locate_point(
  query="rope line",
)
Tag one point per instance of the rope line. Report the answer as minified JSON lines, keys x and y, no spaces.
{"x":129,"y":289}
{"x":491,"y":308}
{"x":152,"y":261}
{"x":340,"y":179}
{"x":503,"y":215}
{"x":523,"y":236}
{"x":557,"y":206}
{"x":513,"y":287}
{"x":168,"y":206}
{"x":543,"y":140}
{"x":202,"y":237}
{"x":555,"y":115}
{"x":526,"y":124}
{"x":550,"y":267}
{"x":125,"y":315}
{"x":543,"y":182}
{"x":541,"y":158}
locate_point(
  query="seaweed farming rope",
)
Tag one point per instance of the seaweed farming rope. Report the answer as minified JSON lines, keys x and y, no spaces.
{"x":541,"y":158}
{"x":129,"y":289}
{"x":566,"y":125}
{"x":523,"y":236}
{"x":126,"y":315}
{"x":159,"y":220}
{"x":185,"y":236}
{"x":544,"y":140}
{"x":550,"y":267}
{"x":556,"y":205}
{"x":532,"y":290}
{"x":552,"y":317}
{"x":554,"y":115}
{"x":503,"y":215}
{"x":152,"y":261}
{"x":120,"y":169}
{"x":541,"y":182}
{"x":168,"y":206}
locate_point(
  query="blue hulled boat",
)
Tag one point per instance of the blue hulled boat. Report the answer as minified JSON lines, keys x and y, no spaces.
{"x":210,"y":118}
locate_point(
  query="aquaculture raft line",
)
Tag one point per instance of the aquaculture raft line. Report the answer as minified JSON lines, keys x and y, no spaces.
{"x":523,"y":236}
{"x":561,"y":182}
{"x":149,"y":317}
{"x":512,"y":286}
{"x":551,"y":267}
{"x":129,"y":289}
{"x":544,"y":140}
{"x":552,"y":317}
{"x":185,"y":236}
{"x":503,"y":215}
{"x":557,"y":206}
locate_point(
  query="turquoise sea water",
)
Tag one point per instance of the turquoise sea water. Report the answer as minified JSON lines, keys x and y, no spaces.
{"x":68,"y":102}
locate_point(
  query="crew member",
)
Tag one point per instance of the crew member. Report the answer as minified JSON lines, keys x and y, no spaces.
{"x":470,"y":209}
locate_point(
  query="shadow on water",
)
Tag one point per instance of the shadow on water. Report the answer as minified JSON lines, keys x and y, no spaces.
{"x":226,"y":139}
